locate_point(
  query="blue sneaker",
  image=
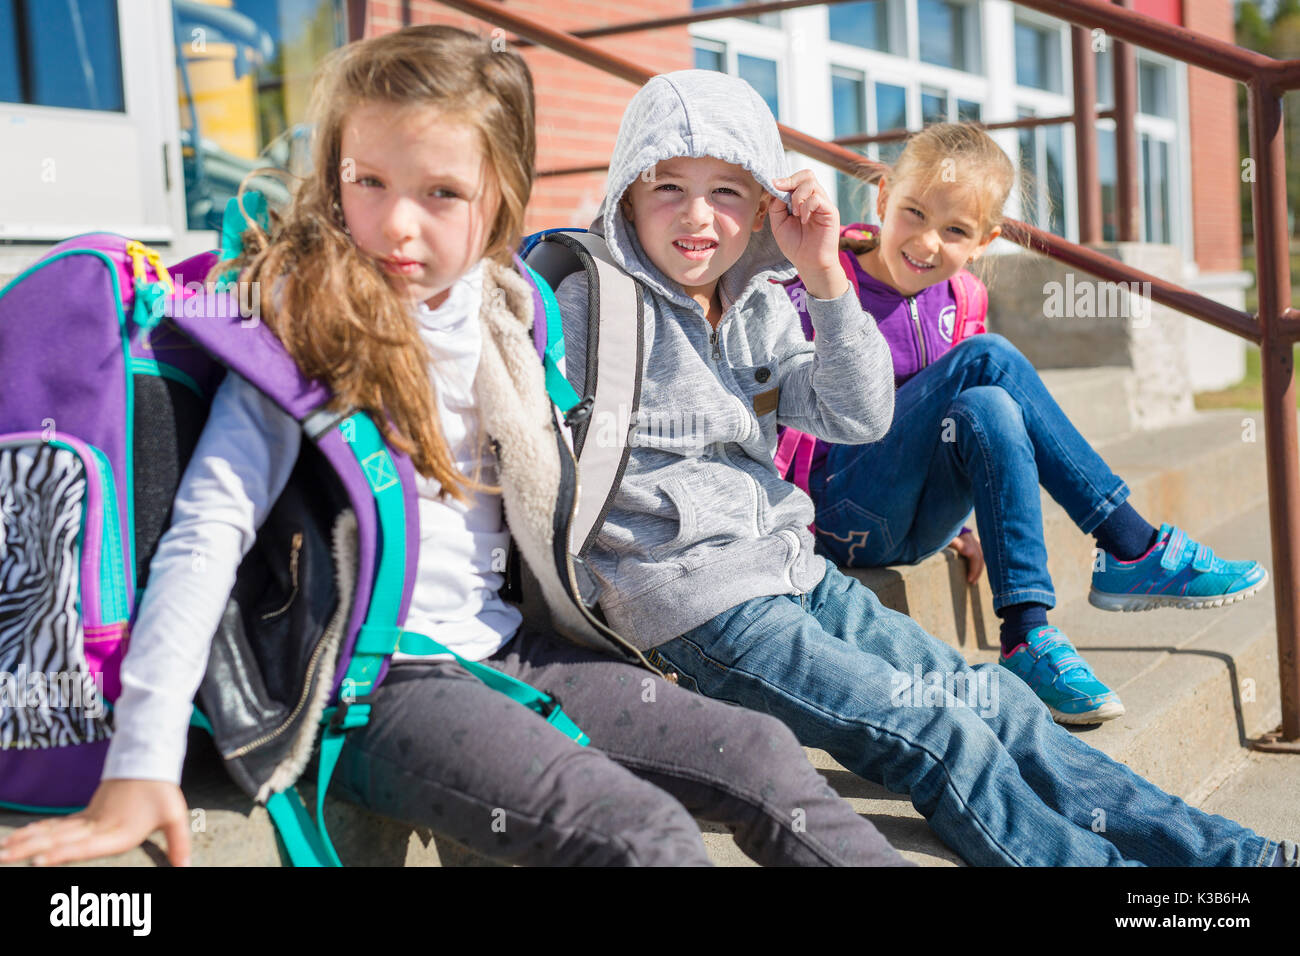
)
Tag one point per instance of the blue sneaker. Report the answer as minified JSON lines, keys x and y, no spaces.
{"x":1176,"y":572}
{"x":1053,"y":669}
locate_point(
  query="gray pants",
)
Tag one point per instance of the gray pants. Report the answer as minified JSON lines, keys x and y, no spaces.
{"x":444,"y":751}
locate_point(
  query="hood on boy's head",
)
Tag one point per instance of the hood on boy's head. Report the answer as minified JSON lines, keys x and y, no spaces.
{"x":695,"y":113}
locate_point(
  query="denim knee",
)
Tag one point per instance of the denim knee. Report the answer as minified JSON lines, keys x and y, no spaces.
{"x":992,"y":410}
{"x":994,"y":347}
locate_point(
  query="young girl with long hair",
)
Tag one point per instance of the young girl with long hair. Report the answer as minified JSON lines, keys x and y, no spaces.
{"x":389,"y":277}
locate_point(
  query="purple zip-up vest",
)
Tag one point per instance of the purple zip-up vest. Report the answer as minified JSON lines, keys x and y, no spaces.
{"x":919,"y":329}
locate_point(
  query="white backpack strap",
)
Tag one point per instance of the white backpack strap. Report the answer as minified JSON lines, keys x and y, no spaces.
{"x":612,"y":383}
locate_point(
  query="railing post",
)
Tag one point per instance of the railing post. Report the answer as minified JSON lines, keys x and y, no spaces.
{"x":1128,"y":206}
{"x":1085,"y":135}
{"x":1273,"y":270}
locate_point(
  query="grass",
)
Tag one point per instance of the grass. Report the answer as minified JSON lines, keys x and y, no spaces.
{"x":1248,"y":393}
{"x":1248,"y":265}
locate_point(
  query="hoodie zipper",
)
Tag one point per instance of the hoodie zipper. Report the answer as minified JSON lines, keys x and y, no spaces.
{"x":750,"y":483}
{"x":916,"y":321}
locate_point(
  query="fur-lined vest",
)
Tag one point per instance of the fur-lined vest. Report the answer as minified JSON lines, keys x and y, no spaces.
{"x":535,"y":463}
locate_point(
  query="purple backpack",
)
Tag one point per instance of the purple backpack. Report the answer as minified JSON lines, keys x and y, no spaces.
{"x":109,"y":363}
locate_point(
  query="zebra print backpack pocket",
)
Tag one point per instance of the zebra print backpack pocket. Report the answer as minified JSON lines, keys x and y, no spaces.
{"x":54,"y":624}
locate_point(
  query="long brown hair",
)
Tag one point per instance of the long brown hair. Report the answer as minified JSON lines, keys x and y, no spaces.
{"x":338,"y":314}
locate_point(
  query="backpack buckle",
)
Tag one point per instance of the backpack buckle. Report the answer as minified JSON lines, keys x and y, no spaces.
{"x":579,"y":413}
{"x":550,"y":706}
{"x":343,"y":717}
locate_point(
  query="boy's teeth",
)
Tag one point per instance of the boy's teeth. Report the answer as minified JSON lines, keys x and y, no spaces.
{"x":695,"y":245}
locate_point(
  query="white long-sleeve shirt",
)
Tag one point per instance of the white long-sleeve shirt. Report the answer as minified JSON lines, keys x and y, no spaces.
{"x":240,"y":466}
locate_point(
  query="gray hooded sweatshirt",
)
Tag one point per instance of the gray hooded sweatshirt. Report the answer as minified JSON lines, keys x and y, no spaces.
{"x":702,"y":521}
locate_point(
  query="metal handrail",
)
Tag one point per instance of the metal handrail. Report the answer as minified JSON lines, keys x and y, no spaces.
{"x":1275,"y":327}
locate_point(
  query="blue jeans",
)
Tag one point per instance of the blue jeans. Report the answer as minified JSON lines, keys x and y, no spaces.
{"x":980,"y":756}
{"x":975,"y":428}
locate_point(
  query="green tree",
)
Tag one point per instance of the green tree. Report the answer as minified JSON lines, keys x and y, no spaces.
{"x":1277,"y":36}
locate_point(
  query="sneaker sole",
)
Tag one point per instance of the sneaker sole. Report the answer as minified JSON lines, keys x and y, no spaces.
{"x":1107,"y":711}
{"x":1149,"y":602}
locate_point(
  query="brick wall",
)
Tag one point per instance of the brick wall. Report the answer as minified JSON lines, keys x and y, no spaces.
{"x":1216,"y":161}
{"x":578,"y":107}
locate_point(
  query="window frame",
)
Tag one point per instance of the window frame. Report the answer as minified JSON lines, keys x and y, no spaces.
{"x":142,"y":136}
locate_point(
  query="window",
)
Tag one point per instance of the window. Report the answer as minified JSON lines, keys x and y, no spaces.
{"x":1038,"y":57}
{"x":761,"y":74}
{"x":1154,"y":86}
{"x":244,"y":75}
{"x":1153,"y":89}
{"x":934,"y":106}
{"x":848,"y":101}
{"x":940,"y":106}
{"x":849,"y":106}
{"x":64,"y":54}
{"x":949,"y":34}
{"x":710,"y":56}
{"x":764,"y":19}
{"x":1054,"y":153}
{"x":1105,"y":80}
{"x":1042,"y":157}
{"x":891,"y":113}
{"x":1109,"y":178}
{"x":1155,"y":173}
{"x":861,"y":24}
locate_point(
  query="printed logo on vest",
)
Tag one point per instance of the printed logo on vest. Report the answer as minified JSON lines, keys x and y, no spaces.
{"x":380,"y":471}
{"x":947,"y":319}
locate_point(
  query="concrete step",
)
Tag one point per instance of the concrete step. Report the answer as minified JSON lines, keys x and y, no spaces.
{"x":1248,"y":792}
{"x":1097,"y":400}
{"x":1193,"y":475}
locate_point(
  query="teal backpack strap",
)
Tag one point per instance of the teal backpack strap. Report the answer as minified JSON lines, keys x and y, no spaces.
{"x":309,"y":844}
{"x":379,"y":633}
{"x":562,"y":394}
{"x":544,"y":704}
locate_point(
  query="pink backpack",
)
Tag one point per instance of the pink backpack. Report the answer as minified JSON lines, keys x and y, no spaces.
{"x":972,"y":310}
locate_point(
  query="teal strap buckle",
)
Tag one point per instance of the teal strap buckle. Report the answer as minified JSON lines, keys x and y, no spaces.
{"x":377,"y":639}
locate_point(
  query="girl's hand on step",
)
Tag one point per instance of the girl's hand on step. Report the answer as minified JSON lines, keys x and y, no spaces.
{"x":968,"y":546}
{"x":121,"y":815}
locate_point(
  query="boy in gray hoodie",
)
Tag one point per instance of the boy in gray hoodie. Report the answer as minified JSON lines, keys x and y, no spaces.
{"x":705,"y":561}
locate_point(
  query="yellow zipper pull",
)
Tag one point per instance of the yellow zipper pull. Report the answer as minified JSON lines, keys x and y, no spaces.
{"x":160,"y":270}
{"x":139,"y":254}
